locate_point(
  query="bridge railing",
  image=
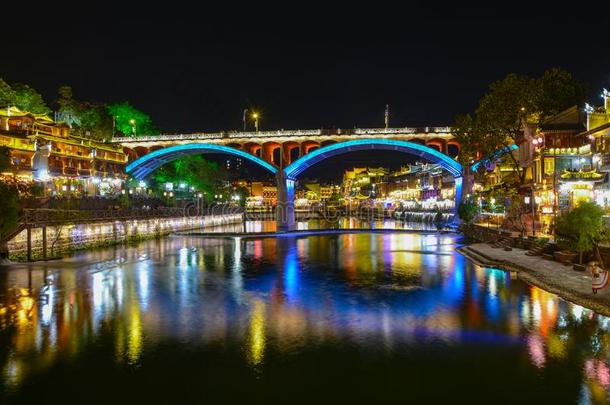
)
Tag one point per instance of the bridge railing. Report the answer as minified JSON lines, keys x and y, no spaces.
{"x":284,"y":133}
{"x":38,"y":217}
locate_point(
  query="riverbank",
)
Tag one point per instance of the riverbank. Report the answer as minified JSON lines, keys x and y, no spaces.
{"x":571,"y":285}
{"x":64,"y":239}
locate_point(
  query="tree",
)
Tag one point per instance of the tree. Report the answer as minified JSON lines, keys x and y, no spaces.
{"x":242,"y":193}
{"x":9,"y":220}
{"x":7,"y":94}
{"x":467,"y":211}
{"x":5,"y":159}
{"x":470,"y":139}
{"x":582,"y":229}
{"x":559,"y":90}
{"x":92,"y":120}
{"x":510,"y":105}
{"x":96,"y":122}
{"x":28,"y":99}
{"x":70,"y":110}
{"x":131,"y":121}
{"x":195,"y":171}
{"x":515,"y":210}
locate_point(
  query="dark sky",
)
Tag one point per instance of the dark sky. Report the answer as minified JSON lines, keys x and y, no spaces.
{"x":197,"y":69}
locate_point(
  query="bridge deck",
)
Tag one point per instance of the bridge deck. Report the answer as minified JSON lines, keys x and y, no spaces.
{"x":408,"y":132}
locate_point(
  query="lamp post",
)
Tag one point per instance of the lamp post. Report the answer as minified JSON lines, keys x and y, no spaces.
{"x":255,"y":118}
{"x":538,"y":143}
{"x":133,"y":127}
{"x":244,"y":116}
{"x":533,"y":201}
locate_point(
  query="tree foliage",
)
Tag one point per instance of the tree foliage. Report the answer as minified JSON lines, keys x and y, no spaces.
{"x":467,"y":211}
{"x":28,"y":99}
{"x":9,"y":206}
{"x":559,"y":91}
{"x":23,"y":97}
{"x":5,"y":159}
{"x":510,"y":105}
{"x":91,"y":119}
{"x":131,"y":121}
{"x":515,"y":209}
{"x":69,"y":108}
{"x":582,"y":229}
{"x":195,"y":171}
{"x":7,"y":94}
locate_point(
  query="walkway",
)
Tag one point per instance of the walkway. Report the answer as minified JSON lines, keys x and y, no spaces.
{"x":308,"y":232}
{"x":574,"y":286}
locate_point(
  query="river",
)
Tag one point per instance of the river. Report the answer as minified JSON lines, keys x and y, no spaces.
{"x":342,"y":318}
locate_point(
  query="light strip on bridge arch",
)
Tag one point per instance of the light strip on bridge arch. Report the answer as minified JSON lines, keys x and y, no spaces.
{"x":151,"y":161}
{"x":413,"y":148}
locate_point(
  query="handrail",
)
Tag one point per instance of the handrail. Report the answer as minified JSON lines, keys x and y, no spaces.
{"x":428,"y":131}
{"x":34,"y":217}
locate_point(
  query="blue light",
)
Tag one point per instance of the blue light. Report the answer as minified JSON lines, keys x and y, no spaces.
{"x":291,"y":275}
{"x":494,"y":156}
{"x":458,"y":190}
{"x":318,"y":155}
{"x":141,"y":167}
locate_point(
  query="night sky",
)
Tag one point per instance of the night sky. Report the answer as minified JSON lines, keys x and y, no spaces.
{"x":197,"y":69}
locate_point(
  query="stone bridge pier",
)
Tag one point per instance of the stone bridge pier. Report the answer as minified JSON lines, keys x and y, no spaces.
{"x":284,"y":209}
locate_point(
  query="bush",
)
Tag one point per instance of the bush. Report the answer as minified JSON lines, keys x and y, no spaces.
{"x":467,"y":211}
{"x":582,"y":229}
{"x":9,"y":206}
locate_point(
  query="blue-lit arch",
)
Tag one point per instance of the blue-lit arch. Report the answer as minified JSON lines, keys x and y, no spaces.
{"x":449,"y":164}
{"x":143,"y":166}
{"x":310,"y":159}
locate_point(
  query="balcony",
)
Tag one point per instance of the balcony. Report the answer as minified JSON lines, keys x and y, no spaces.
{"x":70,"y":171}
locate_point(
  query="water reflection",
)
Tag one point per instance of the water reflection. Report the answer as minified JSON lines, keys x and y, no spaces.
{"x":326,"y":223}
{"x":265,"y":300}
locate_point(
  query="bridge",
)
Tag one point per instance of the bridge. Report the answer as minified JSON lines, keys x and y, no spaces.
{"x":286,"y":154}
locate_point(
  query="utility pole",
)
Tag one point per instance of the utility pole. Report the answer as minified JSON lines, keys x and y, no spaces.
{"x":387,"y":116}
{"x":245,"y":116}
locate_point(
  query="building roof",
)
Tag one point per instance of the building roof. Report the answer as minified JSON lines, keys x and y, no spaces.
{"x":571,"y":119}
{"x":601,"y":130}
{"x":12,"y":111}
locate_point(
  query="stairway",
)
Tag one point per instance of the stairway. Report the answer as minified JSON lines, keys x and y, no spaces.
{"x":503,"y":242}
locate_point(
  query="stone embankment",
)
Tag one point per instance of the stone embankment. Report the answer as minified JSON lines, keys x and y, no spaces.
{"x":62,"y":239}
{"x":552,"y":276}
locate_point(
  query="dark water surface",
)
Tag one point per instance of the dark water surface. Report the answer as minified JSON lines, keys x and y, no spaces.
{"x":352,"y":318}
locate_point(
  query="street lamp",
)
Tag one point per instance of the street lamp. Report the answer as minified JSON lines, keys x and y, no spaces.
{"x":133,"y":126}
{"x":255,"y":118}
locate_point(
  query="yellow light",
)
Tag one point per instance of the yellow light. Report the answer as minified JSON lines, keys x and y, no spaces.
{"x":257,"y":332}
{"x":132,"y":121}
{"x":255,"y":115}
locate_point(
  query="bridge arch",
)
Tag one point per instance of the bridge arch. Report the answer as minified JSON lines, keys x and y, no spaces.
{"x":146,"y":164}
{"x":286,"y":178}
{"x":412,"y":148}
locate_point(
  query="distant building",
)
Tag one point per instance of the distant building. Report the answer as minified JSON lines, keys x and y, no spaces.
{"x":421,"y":186}
{"x":266,"y":191}
{"x":363,"y":182}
